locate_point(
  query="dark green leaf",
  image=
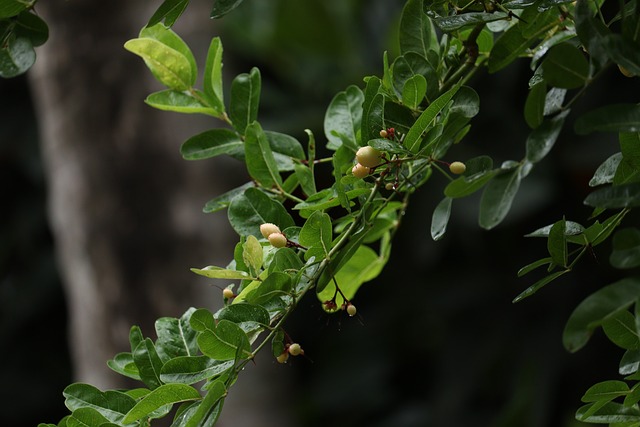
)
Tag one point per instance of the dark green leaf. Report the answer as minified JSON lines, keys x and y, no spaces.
{"x":9,"y":8}
{"x":192,"y":369}
{"x":181,"y":102}
{"x":111,"y":404}
{"x":316,"y":235}
{"x":226,"y":342}
{"x":287,"y":150}
{"x":612,"y":118}
{"x":87,"y":417}
{"x":498,"y":196}
{"x":509,"y":46}
{"x":624,"y":52}
{"x":594,"y":310}
{"x":626,"y":249}
{"x":414,"y":91}
{"x":167,"y":394}
{"x":16,"y":56}
{"x":208,"y":410}
{"x":169,"y":12}
{"x":557,"y":243}
{"x":542,"y":139}
{"x":213,"y":76}
{"x":629,"y":363}
{"x":534,"y":105}
{"x":343,"y":119}
{"x":630,"y":148}
{"x":31,"y":26}
{"x":222,"y":7}
{"x":149,"y":363}
{"x":565,"y":67}
{"x":275,"y":285}
{"x":416,"y":32}
{"x":238,"y":313}
{"x":606,"y":390}
{"x":571,"y":228}
{"x":607,"y":414}
{"x":538,"y":285}
{"x":534,"y":265}
{"x":369,"y":131}
{"x":440,"y":218}
{"x":620,"y":328}
{"x":245,"y":99}
{"x":253,"y":208}
{"x":606,"y":171}
{"x":620,"y":196}
{"x":259,"y":158}
{"x":223,"y":200}
{"x":455,"y":22}
{"x":123,"y":364}
{"x":175,"y":336}
{"x":591,"y":32}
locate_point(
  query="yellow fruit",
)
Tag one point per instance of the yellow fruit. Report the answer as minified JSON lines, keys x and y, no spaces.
{"x":227,"y":293}
{"x":267,"y":228}
{"x":368,"y":156}
{"x":625,"y":72}
{"x":360,"y":171}
{"x":457,"y":168}
{"x":282,"y":358}
{"x":295,"y":349}
{"x":351,"y":309}
{"x":277,"y":240}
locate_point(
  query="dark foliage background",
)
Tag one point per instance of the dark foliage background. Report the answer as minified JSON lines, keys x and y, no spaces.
{"x":437,"y":341}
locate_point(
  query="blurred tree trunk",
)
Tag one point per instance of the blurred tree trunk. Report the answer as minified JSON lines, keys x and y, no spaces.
{"x":124,"y":207}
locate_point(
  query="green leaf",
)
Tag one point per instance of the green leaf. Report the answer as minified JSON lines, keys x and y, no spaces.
{"x":316,"y":235}
{"x":123,"y":364}
{"x":624,"y":52}
{"x":275,"y":285}
{"x":287,"y":150}
{"x":213,"y":76}
{"x":565,"y":67}
{"x":87,"y":417}
{"x":620,"y":328}
{"x":343,"y":119}
{"x":181,"y":102}
{"x":534,"y":265}
{"x":245,"y":99}
{"x":620,"y":196}
{"x":373,"y":104}
{"x":208,"y":410}
{"x":538,"y":285}
{"x":414,"y":91}
{"x":455,"y":22}
{"x":223,"y":200}
{"x":363,"y":266}
{"x":202,"y":320}
{"x":192,"y":369}
{"x":239,"y":313}
{"x":175,"y":336}
{"x":253,"y":208}
{"x":498,"y":196}
{"x":285,"y":259}
{"x":608,"y":413}
{"x":226,"y":342}
{"x":31,"y":26}
{"x":149,"y":363}
{"x":259,"y":158}
{"x":606,"y":390}
{"x":167,"y":394}
{"x":606,"y":171}
{"x":542,"y":139}
{"x":169,"y":12}
{"x":413,"y":137}
{"x":252,"y":254}
{"x":416,"y":32}
{"x":557,"y":243}
{"x":135,"y":337}
{"x":169,"y":66}
{"x":440,"y":218}
{"x":16,"y":56}
{"x":595,"y":309}
{"x":509,"y":46}
{"x":211,"y":143}
{"x":213,"y":272}
{"x":591,"y":32}
{"x":534,"y":105}
{"x":111,"y":404}
{"x":611,"y":118}
{"x":9,"y":8}
{"x":626,"y":248}
{"x":222,"y":7}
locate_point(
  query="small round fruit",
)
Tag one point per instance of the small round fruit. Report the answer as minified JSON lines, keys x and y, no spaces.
{"x":267,"y":228}
{"x":351,"y":310}
{"x":457,"y":168}
{"x":277,"y":240}
{"x":368,"y":156}
{"x":360,"y":171}
{"x":227,"y":293}
{"x":389,"y":185}
{"x":295,"y":349}
{"x":283,"y":357}
{"x":384,"y":133}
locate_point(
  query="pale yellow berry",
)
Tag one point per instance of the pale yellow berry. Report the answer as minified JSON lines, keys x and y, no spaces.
{"x":389,"y":185}
{"x":227,"y":293}
{"x":267,"y":228}
{"x":457,"y":168}
{"x":277,"y":240}
{"x":383,"y":133}
{"x":295,"y":349}
{"x":368,"y":156}
{"x":283,"y":357}
{"x":625,"y":72}
{"x":360,"y":171}
{"x":351,"y":309}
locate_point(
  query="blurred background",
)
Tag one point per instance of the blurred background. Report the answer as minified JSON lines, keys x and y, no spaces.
{"x":102,"y":220}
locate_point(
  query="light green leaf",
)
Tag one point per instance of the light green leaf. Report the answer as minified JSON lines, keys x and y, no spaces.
{"x":259,"y":158}
{"x":316,"y":235}
{"x":167,"y":394}
{"x":414,"y":91}
{"x":169,"y":66}
{"x":440,"y":218}
{"x":414,"y":136}
{"x":123,"y":364}
{"x":606,"y":390}
{"x":87,"y":417}
{"x":594,"y":310}
{"x":239,"y":313}
{"x":181,"y":102}
{"x":168,"y":38}
{"x":275,"y":285}
{"x":213,"y":76}
{"x":202,"y":320}
{"x":208,"y":410}
{"x":252,"y":254}
{"x":213,"y":272}
{"x":245,"y":99}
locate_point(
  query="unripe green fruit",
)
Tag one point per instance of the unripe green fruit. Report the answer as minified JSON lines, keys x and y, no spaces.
{"x":267,"y":228}
{"x":360,"y":171}
{"x":368,"y":156}
{"x":283,"y":357}
{"x":351,"y":309}
{"x":457,"y":168}
{"x":227,"y":293}
{"x":277,"y":240}
{"x":295,"y":349}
